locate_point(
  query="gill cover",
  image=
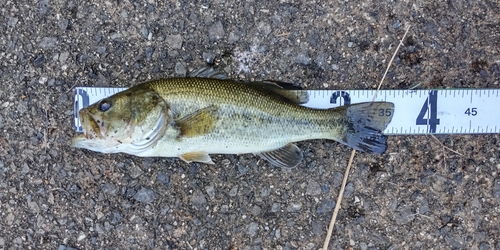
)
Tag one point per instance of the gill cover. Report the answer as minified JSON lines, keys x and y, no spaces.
{"x":130,"y":121}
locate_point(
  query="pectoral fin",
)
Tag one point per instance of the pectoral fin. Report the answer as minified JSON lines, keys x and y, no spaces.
{"x":288,"y":156}
{"x":198,"y":123}
{"x":197,"y":157}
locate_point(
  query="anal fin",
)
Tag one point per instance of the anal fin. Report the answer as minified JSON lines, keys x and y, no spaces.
{"x":202,"y":157}
{"x":288,"y":156}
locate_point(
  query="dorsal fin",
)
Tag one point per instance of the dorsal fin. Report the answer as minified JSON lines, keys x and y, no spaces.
{"x":206,"y":72}
{"x":286,"y":91}
{"x":284,"y":85}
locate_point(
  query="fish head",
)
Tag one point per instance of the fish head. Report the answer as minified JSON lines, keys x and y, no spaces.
{"x":130,"y":121}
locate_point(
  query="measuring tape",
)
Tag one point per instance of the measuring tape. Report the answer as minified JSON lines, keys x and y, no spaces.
{"x":440,"y":111}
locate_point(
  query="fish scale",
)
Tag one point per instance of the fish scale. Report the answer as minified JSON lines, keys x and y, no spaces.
{"x":269,"y":115}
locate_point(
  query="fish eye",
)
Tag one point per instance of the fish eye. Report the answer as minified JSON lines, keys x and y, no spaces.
{"x":104,"y":105}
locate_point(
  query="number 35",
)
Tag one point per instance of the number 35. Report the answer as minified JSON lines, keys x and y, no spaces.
{"x":384,"y":112}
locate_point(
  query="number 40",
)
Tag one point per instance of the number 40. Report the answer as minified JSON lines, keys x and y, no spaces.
{"x":430,"y":105}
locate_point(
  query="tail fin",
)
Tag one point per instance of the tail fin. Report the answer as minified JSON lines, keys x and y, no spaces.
{"x":366,"y":121}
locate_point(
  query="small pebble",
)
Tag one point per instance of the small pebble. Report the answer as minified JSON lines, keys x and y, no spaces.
{"x":48,"y":43}
{"x":115,"y":36}
{"x":337,"y":179}
{"x":33,"y":206}
{"x":10,"y":219}
{"x":349,"y":189}
{"x":325,"y":188}
{"x":144,"y":195}
{"x":276,"y":207}
{"x":63,"y":24}
{"x":484,"y":246}
{"x":63,"y":57}
{"x":317,"y":227}
{"x":234,"y":191}
{"x":264,"y":192}
{"x":325,"y":206}
{"x":163,"y":178}
{"x":404,"y":216}
{"x":174,"y":41}
{"x":496,"y":188}
{"x":216,"y":31}
{"x":423,"y":205}
{"x":12,"y":22}
{"x":363,"y":246}
{"x":309,"y":246}
{"x":44,"y":7}
{"x":198,"y":200}
{"x":180,"y":70}
{"x":454,"y":241}
{"x":164,"y":210}
{"x":294,"y":207}
{"x":149,"y":53}
{"x":314,"y":39}
{"x":264,"y":28}
{"x":396,"y":24}
{"x":242,"y":170}
{"x":18,"y":240}
{"x":39,"y":61}
{"x":252,"y":229}
{"x":256,"y":210}
{"x":117,"y":217}
{"x":81,"y":237}
{"x":210,"y":191}
{"x":99,"y":229}
{"x":130,"y":192}
{"x":313,"y":188}
{"x":109,"y":189}
{"x":303,"y":59}
{"x":208,"y":57}
{"x":144,"y":31}
{"x":133,"y":170}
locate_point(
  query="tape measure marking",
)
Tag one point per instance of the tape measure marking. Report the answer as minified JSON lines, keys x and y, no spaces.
{"x":435,"y":111}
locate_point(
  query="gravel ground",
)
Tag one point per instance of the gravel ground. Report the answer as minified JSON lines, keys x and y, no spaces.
{"x":418,"y":195}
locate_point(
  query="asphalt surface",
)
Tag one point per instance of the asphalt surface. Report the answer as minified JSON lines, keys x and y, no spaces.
{"x":418,"y":195}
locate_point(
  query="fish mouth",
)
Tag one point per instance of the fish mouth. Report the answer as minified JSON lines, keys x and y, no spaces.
{"x":92,"y":137}
{"x":78,"y":141}
{"x":90,"y":125}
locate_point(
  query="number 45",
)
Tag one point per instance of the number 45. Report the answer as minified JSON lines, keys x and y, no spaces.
{"x":471,"y":111}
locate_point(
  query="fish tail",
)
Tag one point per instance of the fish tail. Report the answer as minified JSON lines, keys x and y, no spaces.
{"x":364,"y":125}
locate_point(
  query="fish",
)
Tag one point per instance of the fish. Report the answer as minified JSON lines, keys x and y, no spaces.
{"x":209,"y":113}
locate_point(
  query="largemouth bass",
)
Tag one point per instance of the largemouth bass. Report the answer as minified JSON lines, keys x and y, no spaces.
{"x":207,"y":113}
